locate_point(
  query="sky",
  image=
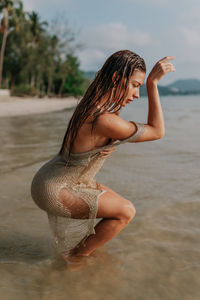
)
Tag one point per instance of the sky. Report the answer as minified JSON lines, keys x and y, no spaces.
{"x":152,"y":28}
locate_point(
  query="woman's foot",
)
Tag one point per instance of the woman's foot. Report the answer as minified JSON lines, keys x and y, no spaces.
{"x":74,"y":262}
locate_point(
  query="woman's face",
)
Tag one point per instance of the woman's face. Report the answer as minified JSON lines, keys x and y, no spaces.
{"x":135,"y":82}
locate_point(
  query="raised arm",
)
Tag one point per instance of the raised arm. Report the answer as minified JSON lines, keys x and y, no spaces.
{"x":155,"y":127}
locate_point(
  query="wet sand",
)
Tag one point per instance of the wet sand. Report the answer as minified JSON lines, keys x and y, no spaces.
{"x":16,"y":106}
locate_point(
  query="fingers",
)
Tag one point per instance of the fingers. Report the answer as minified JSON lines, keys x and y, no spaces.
{"x":167,"y":58}
{"x":169,"y":67}
{"x":111,"y":149}
{"x":106,"y":152}
{"x":161,"y":68}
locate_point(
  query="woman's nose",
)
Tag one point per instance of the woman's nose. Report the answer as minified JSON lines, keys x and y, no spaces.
{"x":137,"y":94}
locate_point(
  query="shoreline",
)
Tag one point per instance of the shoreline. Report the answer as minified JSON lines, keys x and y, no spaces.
{"x":16,"y":106}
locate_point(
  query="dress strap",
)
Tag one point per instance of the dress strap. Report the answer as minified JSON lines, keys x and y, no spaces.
{"x":135,"y":136}
{"x":140,"y":130}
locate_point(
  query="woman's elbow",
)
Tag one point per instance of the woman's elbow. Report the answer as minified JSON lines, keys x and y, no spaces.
{"x":160,"y":135}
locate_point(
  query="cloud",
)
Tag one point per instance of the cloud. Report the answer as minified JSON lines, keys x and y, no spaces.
{"x":30,"y":5}
{"x":36,"y":5}
{"x":147,"y":2}
{"x":189,"y":28}
{"x":116,"y":35}
{"x":91,"y":59}
{"x":190,"y":16}
{"x":191,"y":37}
{"x":102,"y":40}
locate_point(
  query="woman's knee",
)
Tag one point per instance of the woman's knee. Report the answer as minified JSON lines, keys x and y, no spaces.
{"x":112,"y":205}
{"x":127,"y":212}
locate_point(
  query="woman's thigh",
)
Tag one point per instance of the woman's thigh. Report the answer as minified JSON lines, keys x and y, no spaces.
{"x":110,"y":205}
{"x":113,"y":205}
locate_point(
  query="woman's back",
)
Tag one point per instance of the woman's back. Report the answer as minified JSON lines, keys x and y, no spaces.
{"x":86,"y":139}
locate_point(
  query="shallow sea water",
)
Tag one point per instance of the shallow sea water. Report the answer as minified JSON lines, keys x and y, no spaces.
{"x":157,"y":256}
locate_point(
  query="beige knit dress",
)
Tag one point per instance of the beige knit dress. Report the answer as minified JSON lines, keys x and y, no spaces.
{"x":76,"y":175}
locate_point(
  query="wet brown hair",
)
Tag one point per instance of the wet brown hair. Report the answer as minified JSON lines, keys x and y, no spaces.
{"x":116,"y":72}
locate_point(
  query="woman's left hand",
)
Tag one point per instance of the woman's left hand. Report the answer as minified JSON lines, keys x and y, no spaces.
{"x":161,"y":68}
{"x":107,"y":152}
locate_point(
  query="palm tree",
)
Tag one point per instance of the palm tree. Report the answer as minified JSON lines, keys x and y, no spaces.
{"x":16,"y":56}
{"x":50,"y":60}
{"x":6,"y":6}
{"x":36,"y":26}
{"x":37,"y":29}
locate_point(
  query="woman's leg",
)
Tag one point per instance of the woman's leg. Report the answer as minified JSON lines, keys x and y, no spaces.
{"x":116,"y":212}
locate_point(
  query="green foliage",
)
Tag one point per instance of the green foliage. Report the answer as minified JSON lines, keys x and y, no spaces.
{"x":22,"y":90}
{"x":37,"y":61}
{"x":74,"y":83}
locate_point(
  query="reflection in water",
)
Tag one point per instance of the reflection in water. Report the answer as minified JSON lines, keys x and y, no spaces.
{"x":155,"y":257}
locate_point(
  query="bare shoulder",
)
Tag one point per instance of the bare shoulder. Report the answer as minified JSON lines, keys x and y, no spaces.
{"x":113,"y":126}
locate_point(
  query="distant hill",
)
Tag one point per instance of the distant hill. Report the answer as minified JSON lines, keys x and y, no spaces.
{"x":186,"y":85}
{"x":89,"y":74}
{"x":179,"y":87}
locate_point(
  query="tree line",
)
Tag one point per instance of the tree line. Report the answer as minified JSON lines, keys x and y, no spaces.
{"x":37,"y":58}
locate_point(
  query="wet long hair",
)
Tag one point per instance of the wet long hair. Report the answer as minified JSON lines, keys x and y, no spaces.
{"x":111,"y":81}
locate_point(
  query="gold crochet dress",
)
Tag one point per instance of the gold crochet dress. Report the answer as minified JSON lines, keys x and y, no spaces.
{"x":76,"y":175}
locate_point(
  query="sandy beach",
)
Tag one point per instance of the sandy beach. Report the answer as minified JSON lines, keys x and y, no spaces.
{"x":16,"y":106}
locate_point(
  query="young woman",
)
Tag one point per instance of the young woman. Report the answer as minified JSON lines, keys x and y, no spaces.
{"x":65,"y":188}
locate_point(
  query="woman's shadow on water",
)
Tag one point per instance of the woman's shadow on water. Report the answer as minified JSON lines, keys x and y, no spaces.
{"x":19,"y":247}
{"x":25,"y":248}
